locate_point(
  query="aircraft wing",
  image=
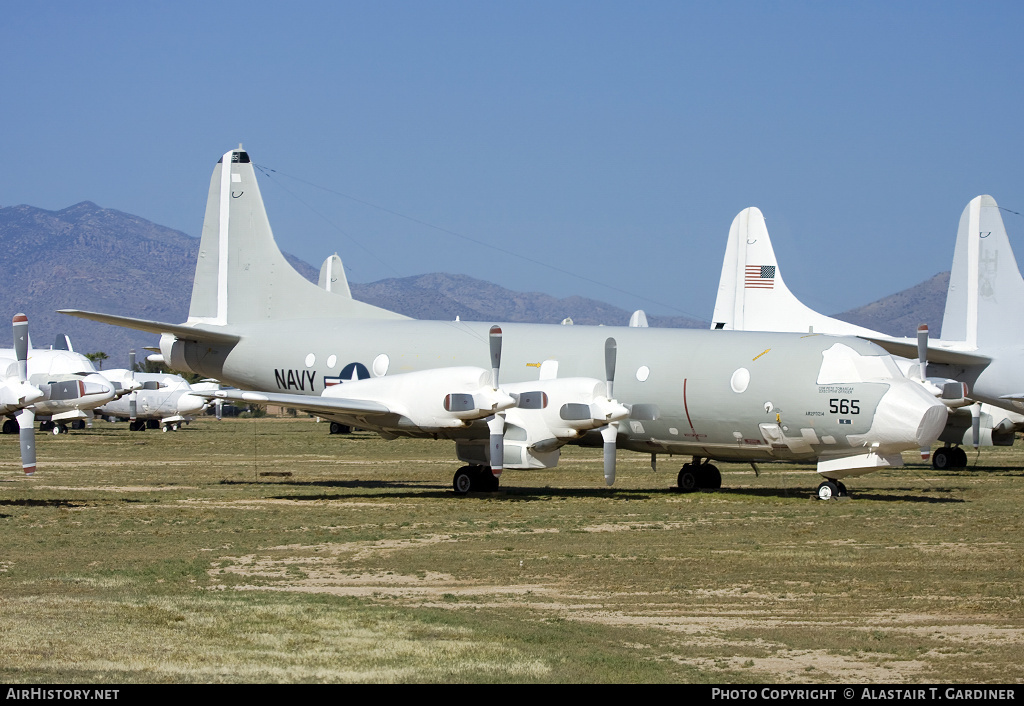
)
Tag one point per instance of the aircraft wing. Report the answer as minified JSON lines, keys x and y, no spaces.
{"x":907,"y":348}
{"x":307,"y":403}
{"x":182,"y":331}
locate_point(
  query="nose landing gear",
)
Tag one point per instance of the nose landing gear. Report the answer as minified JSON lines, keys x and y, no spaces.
{"x":831,"y":489}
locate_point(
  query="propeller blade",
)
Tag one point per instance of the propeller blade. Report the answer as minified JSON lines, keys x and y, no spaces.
{"x":496,"y":427}
{"x":608,"y":434}
{"x":27,"y":436}
{"x":610,"y":349}
{"x":20,"y":325}
{"x":976,"y":424}
{"x":922,"y":350}
{"x":495,"y":340}
{"x":134,"y":397}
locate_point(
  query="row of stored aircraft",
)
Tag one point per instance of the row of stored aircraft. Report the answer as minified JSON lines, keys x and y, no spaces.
{"x":510,"y":395}
{"x":58,"y":387}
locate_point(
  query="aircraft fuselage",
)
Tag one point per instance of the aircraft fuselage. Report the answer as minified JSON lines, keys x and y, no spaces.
{"x":724,"y":394}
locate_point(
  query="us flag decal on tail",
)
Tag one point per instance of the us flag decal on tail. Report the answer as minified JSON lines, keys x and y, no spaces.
{"x":759,"y":277}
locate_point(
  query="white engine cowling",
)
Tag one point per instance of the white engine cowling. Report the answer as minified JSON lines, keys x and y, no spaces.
{"x":551,"y":413}
{"x":441,"y":398}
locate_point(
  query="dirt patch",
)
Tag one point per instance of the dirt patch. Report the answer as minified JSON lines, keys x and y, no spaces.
{"x":119,"y":488}
{"x":808,"y":666}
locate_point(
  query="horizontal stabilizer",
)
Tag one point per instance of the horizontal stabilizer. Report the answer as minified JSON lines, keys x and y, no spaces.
{"x":181,"y":331}
{"x":907,"y":348}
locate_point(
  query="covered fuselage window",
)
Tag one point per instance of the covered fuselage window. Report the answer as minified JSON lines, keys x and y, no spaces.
{"x":841,"y":363}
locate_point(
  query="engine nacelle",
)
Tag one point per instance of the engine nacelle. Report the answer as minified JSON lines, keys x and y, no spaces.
{"x":551,"y":413}
{"x":441,"y":398}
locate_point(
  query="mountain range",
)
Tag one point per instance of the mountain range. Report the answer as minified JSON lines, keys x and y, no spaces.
{"x":99,"y":259}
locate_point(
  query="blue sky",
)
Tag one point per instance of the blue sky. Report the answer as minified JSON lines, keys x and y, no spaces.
{"x":614,"y":141}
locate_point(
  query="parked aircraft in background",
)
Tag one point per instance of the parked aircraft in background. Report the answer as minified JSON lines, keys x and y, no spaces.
{"x":982,"y":328}
{"x":71,"y":386}
{"x":164,"y":400}
{"x":511,"y":396}
{"x":17,"y":395}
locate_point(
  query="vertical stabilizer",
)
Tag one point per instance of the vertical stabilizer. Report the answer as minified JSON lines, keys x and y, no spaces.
{"x":241,"y":275}
{"x":332,"y":277}
{"x":751,"y":293}
{"x":983,"y":304}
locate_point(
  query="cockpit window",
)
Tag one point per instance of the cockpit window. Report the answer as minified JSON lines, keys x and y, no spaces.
{"x":840,"y":363}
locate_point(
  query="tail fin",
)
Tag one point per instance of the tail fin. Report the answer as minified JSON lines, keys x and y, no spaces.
{"x":332,"y":277}
{"x":241,"y":275}
{"x":985,"y":286}
{"x":751,"y":293}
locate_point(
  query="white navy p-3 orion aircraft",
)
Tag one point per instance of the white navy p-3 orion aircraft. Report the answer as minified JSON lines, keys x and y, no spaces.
{"x":511,"y":395}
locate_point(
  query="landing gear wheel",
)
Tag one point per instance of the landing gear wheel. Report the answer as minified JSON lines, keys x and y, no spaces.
{"x":463,"y":481}
{"x":474,"y":478}
{"x":709,"y":477}
{"x":687,"y":479}
{"x":338,"y":428}
{"x":10,"y":426}
{"x":487,"y":480}
{"x":942,"y":458}
{"x":842,"y":489}
{"x":959,"y":457}
{"x":828,"y":490}
{"x":164,"y":428}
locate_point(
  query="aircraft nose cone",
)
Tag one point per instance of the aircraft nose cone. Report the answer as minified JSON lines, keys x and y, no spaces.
{"x":908,"y":417}
{"x":932,"y":424}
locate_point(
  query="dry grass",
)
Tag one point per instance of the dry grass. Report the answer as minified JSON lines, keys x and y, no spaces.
{"x":168,"y":557}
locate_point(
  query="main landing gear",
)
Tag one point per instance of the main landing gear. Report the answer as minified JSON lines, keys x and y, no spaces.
{"x":474,"y":478}
{"x":831,"y":489}
{"x":699,"y":476}
{"x":949,"y":457}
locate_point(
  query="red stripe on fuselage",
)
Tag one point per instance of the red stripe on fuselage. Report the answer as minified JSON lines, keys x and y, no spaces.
{"x":687,"y":407}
